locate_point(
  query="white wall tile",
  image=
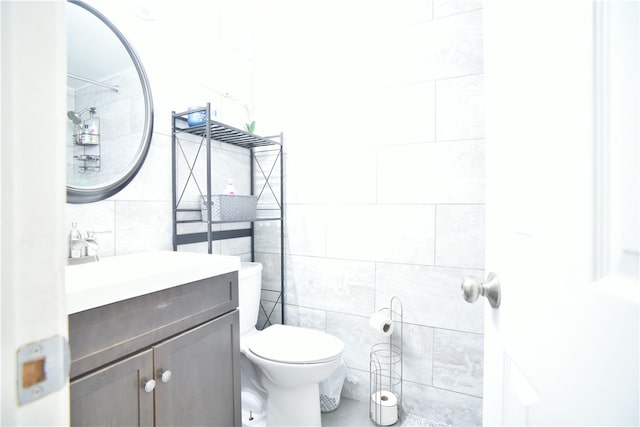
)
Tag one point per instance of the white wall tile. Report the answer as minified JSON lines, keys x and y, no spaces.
{"x":381,"y":233}
{"x":406,"y":113}
{"x":350,"y":175}
{"x":230,"y":164}
{"x":430,"y":296}
{"x":267,"y":236}
{"x":305,"y":317}
{"x":460,"y":236}
{"x":417,"y":352}
{"x":459,"y":103}
{"x":305,"y":230}
{"x":330,"y":284}
{"x":270,"y":270}
{"x":306,"y":177}
{"x":399,"y":13}
{"x":336,"y":175}
{"x":440,"y":407}
{"x":458,"y":361}
{"x":437,"y":49}
{"x":451,"y":172}
{"x":142,"y":226}
{"x":357,"y":335}
{"x":451,"y":7}
{"x":236,"y":247}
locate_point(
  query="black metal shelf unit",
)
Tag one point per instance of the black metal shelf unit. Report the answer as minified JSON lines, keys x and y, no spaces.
{"x":262,"y":150}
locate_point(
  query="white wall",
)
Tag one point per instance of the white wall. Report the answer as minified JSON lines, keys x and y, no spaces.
{"x":381,"y":104}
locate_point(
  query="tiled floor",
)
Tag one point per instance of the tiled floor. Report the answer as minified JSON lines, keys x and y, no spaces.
{"x":352,"y":413}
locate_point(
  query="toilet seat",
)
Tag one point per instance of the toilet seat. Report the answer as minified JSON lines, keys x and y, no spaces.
{"x":295,"y":345}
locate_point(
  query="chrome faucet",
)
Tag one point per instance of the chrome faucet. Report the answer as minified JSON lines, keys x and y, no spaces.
{"x":81,"y":249}
{"x":92,"y":245}
{"x":78,"y":248}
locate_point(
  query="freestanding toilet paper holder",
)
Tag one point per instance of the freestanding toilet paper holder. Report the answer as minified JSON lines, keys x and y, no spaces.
{"x":385,"y":371}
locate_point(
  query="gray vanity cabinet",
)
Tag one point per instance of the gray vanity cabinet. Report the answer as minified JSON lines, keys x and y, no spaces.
{"x":194,"y":363}
{"x":112,"y":396}
{"x":202,"y":396}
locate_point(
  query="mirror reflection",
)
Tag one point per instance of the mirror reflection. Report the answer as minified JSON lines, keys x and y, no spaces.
{"x":108,"y":119}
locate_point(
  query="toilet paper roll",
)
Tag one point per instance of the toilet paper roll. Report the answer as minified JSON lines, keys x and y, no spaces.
{"x":384,"y":408}
{"x":381,"y":323}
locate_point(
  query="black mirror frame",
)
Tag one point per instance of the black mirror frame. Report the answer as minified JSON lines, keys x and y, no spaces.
{"x":101,"y":192}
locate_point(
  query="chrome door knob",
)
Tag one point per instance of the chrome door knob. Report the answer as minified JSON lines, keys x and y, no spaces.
{"x":149,"y":386}
{"x":472,"y":289}
{"x":165,"y":377}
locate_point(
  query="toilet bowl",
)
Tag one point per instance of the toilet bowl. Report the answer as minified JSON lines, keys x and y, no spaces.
{"x":289,"y":361}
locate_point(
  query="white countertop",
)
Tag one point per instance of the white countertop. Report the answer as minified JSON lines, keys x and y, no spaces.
{"x":118,"y":278}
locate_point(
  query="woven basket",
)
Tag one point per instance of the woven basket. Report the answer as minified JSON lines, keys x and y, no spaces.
{"x":229,"y":207}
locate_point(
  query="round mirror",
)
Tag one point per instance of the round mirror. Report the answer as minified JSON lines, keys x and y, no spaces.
{"x":110,"y":110}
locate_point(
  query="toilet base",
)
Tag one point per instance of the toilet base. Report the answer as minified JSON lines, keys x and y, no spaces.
{"x":299,"y":406}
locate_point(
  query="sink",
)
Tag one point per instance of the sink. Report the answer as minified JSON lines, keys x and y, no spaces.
{"x":117,"y":278}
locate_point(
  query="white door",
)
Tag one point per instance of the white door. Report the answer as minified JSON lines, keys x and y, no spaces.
{"x":562,"y":212}
{"x":32,"y":241}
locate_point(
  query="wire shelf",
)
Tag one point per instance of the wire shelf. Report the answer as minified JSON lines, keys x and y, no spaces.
{"x":225,"y":133}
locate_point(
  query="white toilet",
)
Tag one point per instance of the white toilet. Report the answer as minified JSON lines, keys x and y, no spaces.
{"x":289,"y":361}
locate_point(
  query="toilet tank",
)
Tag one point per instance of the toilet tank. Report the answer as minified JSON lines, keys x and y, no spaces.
{"x":249,"y":288}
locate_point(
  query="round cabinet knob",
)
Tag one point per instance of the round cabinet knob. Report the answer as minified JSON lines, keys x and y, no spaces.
{"x":166,"y":376}
{"x":149,"y":386}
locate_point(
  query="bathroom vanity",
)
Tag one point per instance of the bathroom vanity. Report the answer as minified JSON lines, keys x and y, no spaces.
{"x":156,"y":341}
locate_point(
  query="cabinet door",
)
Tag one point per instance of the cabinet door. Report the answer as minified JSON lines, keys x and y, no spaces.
{"x":204,"y":385}
{"x":115,"y":395}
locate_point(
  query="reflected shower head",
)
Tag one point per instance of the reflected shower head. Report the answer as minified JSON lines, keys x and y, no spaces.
{"x":76,"y":118}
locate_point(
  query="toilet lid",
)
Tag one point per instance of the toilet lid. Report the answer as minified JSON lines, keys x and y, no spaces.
{"x":290,"y":344}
